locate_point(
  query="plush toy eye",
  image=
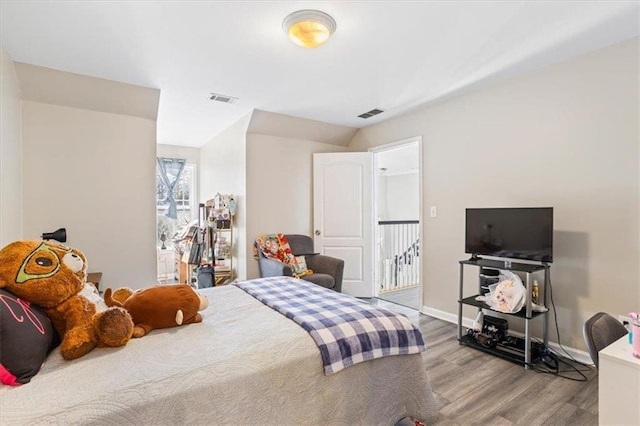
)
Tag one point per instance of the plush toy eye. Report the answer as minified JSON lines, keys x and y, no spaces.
{"x":43,"y":261}
{"x":73,"y":262}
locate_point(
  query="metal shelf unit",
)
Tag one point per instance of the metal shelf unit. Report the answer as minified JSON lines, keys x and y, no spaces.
{"x":218,"y":229}
{"x":524,"y":356}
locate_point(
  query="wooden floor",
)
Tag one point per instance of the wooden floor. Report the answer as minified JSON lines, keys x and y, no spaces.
{"x":474,"y":388}
{"x":408,"y":297}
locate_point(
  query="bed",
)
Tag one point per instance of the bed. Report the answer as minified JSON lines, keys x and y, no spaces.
{"x":244,"y":364}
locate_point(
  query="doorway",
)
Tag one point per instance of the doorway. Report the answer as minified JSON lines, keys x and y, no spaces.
{"x":397,"y":227}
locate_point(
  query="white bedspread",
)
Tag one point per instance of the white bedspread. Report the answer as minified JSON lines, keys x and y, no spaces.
{"x":245,"y":364}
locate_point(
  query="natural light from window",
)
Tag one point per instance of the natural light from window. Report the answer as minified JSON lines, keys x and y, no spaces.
{"x":185,"y":201}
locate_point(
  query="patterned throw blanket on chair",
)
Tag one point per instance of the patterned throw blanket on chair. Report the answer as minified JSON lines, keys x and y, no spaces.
{"x":276,"y":246}
{"x":347,"y":330}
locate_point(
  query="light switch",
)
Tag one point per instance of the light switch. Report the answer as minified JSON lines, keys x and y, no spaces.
{"x":433,"y":211}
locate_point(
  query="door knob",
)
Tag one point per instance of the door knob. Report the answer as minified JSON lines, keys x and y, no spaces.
{"x":317,"y":232}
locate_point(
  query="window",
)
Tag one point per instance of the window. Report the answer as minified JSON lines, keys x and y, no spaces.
{"x":183,"y":194}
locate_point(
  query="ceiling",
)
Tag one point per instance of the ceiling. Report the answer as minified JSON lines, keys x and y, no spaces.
{"x":393,"y":55}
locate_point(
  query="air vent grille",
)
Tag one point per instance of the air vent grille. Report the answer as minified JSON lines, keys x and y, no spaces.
{"x":222,"y":98}
{"x":371,"y":113}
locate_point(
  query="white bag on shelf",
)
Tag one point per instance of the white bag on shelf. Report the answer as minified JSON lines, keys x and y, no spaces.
{"x":508,"y":295}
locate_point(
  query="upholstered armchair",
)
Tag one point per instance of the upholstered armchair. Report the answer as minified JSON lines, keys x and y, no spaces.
{"x":327,"y":270}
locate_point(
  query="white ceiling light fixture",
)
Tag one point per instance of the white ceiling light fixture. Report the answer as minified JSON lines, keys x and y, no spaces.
{"x":309,"y":28}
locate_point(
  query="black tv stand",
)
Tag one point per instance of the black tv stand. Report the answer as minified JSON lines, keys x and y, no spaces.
{"x":474,"y":258}
{"x":525,"y":351}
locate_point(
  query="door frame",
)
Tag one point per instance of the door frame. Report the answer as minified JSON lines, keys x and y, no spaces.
{"x":376,"y":252}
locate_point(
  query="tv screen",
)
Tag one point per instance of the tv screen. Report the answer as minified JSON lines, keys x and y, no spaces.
{"x":516,"y":233}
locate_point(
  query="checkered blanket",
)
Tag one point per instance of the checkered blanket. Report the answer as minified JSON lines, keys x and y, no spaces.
{"x":347,"y":330}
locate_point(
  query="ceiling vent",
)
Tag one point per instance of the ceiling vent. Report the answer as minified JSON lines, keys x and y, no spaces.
{"x":223,"y":98}
{"x":370,"y":113}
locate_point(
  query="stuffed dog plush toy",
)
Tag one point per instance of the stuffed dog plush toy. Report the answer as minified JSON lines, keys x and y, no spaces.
{"x":160,"y":306}
{"x":53,"y":276}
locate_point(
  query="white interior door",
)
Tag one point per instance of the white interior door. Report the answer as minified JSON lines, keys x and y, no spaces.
{"x":342,"y":215}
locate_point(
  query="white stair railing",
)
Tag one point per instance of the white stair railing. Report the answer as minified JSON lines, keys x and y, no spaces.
{"x":399,"y":254}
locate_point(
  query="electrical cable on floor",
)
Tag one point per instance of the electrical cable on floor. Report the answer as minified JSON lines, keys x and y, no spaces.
{"x":549,"y":356}
{"x":552,"y":363}
{"x":561,"y":373}
{"x":555,"y":320}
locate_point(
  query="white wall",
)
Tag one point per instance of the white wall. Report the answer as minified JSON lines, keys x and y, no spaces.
{"x":565,"y":136}
{"x":280,"y":187}
{"x":381,"y":196}
{"x":93,"y":173}
{"x":10,"y":153}
{"x":223,"y":169}
{"x":192,"y":155}
{"x":400,"y":198}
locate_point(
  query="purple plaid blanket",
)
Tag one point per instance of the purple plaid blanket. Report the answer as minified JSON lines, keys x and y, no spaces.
{"x":347,"y":330}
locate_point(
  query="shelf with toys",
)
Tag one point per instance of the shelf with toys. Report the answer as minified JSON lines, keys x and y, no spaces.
{"x":220,"y":212}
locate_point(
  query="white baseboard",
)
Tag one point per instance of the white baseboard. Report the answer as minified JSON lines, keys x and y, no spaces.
{"x":445,"y":316}
{"x":577,"y":354}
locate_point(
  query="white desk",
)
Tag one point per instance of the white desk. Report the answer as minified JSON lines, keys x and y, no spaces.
{"x":618,"y":385}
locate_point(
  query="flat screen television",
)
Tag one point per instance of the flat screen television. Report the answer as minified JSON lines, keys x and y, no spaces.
{"x":515,"y":233}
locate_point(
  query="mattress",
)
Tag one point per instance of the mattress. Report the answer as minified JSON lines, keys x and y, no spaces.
{"x":244,"y":364}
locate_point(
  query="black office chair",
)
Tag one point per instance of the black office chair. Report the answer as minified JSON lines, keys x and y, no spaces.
{"x":600,"y":331}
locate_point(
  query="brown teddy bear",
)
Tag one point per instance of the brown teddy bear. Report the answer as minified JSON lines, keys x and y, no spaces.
{"x":160,"y":306}
{"x":53,"y":276}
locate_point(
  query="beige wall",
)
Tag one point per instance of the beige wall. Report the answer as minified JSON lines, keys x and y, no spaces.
{"x":93,"y":173}
{"x":565,"y":136}
{"x":223,"y":170}
{"x":50,"y":86}
{"x":265,"y":160}
{"x":279,"y":187}
{"x":10,"y":153}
